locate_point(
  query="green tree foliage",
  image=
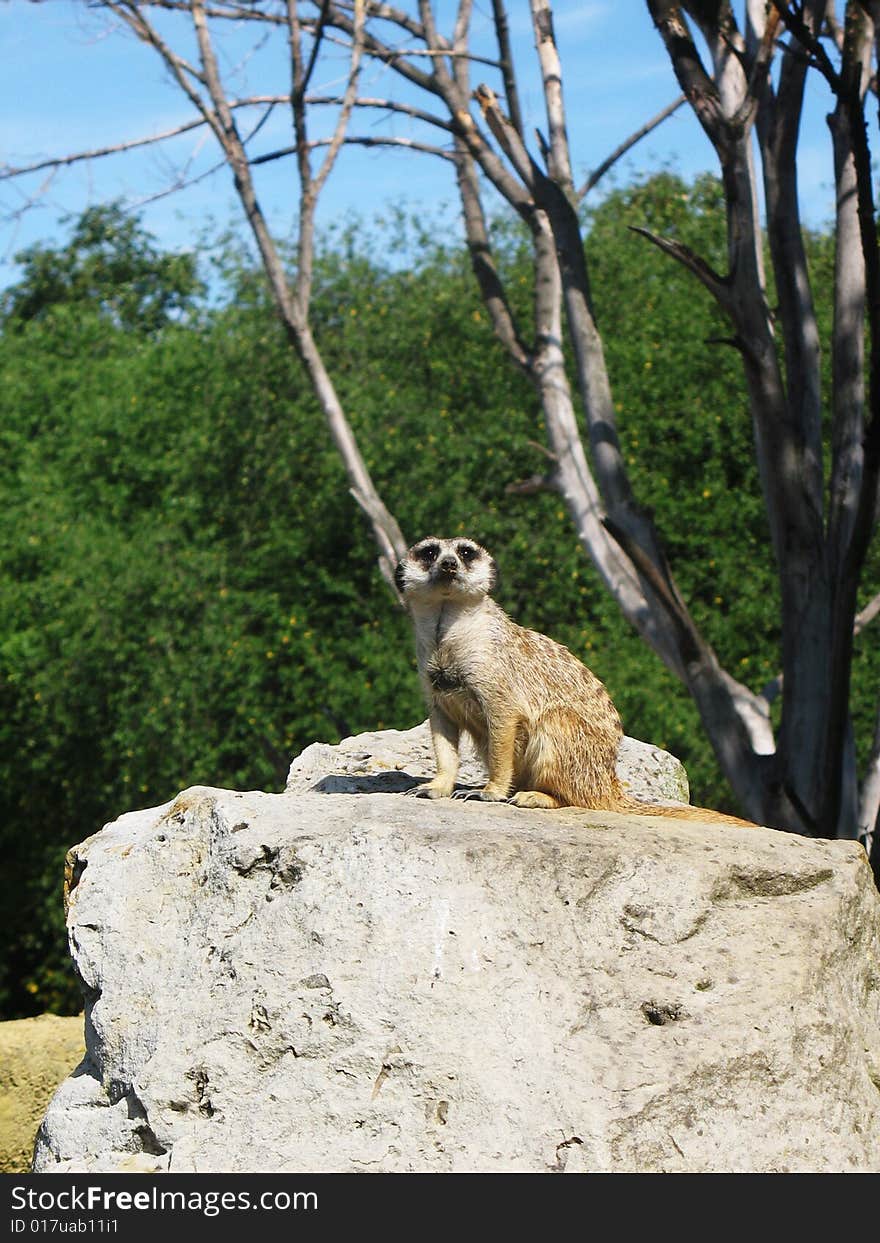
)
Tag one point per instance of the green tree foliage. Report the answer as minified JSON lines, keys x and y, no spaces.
{"x":187,"y":593}
{"x":110,"y":267}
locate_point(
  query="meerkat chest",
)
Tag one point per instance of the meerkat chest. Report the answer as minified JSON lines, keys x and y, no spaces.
{"x":455,"y":665}
{"x":450,"y":672}
{"x":454,"y":685}
{"x":455,"y":659}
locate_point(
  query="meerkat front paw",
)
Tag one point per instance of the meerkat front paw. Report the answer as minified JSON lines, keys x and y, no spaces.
{"x":486,"y":795}
{"x":431,"y":789}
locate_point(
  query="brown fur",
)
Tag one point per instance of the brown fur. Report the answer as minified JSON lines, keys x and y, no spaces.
{"x":544,"y":725}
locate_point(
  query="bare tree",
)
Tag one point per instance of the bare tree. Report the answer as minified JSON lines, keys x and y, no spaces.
{"x":204,"y":88}
{"x":749,"y":101}
{"x":820,"y":538}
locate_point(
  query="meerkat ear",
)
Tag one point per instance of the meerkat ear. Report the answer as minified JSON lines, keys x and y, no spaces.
{"x":399,"y":575}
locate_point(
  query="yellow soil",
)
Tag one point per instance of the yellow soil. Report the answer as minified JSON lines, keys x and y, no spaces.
{"x":35,"y":1056}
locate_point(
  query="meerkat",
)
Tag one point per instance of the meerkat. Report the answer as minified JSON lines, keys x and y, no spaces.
{"x":544,"y":725}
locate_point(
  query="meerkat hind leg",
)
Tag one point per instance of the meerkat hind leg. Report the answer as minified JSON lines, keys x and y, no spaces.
{"x":535,"y":798}
{"x":566,"y":761}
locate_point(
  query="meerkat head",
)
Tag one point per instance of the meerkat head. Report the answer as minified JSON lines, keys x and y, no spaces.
{"x":446,"y":569}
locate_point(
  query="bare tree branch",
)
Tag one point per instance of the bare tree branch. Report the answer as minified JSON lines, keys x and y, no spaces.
{"x":293,"y":310}
{"x":745,"y":114}
{"x":483,"y":262}
{"x":380,"y":51}
{"x":508,"y":75}
{"x":620,"y":151}
{"x":559,"y":159}
{"x":7,"y":171}
{"x":508,"y":138}
{"x":867,"y":615}
{"x":230,"y":12}
{"x":128,"y":11}
{"x":819,"y":58}
{"x":698,"y":87}
{"x":354,"y":140}
{"x":717,"y":285}
{"x":532,"y":485}
{"x":389,"y":13}
{"x":303,"y":85}
{"x":182,"y":181}
{"x":439,"y":83}
{"x":387,"y":105}
{"x":349,"y":96}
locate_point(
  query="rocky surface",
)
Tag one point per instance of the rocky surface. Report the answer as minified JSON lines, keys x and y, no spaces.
{"x":35,"y":1056}
{"x":373,"y":982}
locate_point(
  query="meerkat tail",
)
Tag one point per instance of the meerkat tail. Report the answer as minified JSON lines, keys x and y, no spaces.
{"x":683,"y":812}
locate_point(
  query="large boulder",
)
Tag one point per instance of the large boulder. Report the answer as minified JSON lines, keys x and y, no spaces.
{"x":365,"y":981}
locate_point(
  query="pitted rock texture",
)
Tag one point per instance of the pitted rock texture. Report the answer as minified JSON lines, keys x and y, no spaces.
{"x":378,"y":983}
{"x":392,"y":761}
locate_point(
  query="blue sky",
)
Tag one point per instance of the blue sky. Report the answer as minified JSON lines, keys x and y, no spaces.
{"x":72,"y":82}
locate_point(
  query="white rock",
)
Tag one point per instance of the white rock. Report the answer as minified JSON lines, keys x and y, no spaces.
{"x":372,"y":982}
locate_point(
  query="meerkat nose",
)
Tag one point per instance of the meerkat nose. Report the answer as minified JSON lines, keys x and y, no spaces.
{"x":448,"y":563}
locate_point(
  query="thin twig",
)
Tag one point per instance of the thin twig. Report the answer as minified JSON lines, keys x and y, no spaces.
{"x":530,"y":486}
{"x":316,"y":46}
{"x":229,"y":12}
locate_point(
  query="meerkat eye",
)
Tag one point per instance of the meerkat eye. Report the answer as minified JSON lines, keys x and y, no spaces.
{"x":428,"y":554}
{"x":467,"y":552}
